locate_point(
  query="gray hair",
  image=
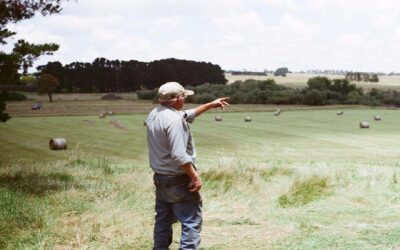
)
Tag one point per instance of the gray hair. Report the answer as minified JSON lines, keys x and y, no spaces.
{"x":167,"y":101}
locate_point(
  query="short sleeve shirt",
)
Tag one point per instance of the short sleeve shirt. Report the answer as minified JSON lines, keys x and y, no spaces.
{"x":169,"y":139}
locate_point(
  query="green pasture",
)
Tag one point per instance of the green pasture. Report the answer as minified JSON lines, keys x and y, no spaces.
{"x":307,"y":179}
{"x":299,"y":80}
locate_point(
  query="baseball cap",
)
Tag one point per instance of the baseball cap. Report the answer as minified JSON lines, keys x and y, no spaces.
{"x":171,"y":90}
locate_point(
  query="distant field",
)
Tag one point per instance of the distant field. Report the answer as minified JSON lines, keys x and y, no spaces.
{"x":307,"y":179}
{"x":92,"y":104}
{"x":300,"y":80}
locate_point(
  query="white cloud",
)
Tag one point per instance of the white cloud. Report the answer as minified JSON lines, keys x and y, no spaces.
{"x":237,"y":34}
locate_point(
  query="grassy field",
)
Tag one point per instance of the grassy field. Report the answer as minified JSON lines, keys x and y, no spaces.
{"x":307,"y":179}
{"x":297,"y":80}
{"x":92,"y":104}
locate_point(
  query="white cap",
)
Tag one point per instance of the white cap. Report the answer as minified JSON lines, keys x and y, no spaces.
{"x":171,"y":90}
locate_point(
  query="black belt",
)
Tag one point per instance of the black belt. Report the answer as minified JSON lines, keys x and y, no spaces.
{"x":169,"y":174}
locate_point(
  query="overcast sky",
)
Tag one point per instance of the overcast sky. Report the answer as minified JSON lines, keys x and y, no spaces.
{"x":362,"y":35}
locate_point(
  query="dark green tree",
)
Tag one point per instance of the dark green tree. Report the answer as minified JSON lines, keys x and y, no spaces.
{"x":3,"y":98}
{"x":319,"y":83}
{"x":281,"y":71}
{"x":8,"y":68}
{"x":314,"y":97}
{"x":28,"y":53}
{"x":47,"y":84}
{"x":103,"y":75}
{"x":23,"y":54}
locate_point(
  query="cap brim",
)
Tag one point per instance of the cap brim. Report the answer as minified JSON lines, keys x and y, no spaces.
{"x":188,"y":92}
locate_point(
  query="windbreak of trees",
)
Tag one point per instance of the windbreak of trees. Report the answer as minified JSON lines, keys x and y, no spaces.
{"x":104,"y":75}
{"x":319,"y":91}
{"x":360,"y":76}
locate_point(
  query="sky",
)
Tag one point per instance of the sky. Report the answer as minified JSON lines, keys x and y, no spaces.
{"x":252,"y":35}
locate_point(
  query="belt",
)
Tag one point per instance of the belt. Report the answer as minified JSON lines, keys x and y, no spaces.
{"x":158,"y":174}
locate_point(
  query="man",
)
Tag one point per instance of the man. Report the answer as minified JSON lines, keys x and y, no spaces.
{"x":172,"y":157}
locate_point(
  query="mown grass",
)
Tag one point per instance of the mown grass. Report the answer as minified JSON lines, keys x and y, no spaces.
{"x":304,"y":180}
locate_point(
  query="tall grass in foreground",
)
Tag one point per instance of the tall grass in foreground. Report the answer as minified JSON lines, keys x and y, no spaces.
{"x":83,"y":202}
{"x":91,"y":203}
{"x":305,"y":191}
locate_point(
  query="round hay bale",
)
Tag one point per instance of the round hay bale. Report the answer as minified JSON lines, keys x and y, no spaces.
{"x":339,"y":112}
{"x":102,"y":115}
{"x":364,"y":125}
{"x":111,"y":113}
{"x":247,"y":119}
{"x":58,"y":144}
{"x":218,"y":119}
{"x":377,"y":117}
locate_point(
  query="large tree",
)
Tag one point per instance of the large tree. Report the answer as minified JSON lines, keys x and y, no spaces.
{"x":24,"y":53}
{"x":47,"y":84}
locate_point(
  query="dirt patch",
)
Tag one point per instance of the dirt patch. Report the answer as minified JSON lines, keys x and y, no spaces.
{"x":118,"y":125}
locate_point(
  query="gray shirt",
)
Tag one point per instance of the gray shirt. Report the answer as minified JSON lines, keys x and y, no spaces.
{"x":169,"y":140}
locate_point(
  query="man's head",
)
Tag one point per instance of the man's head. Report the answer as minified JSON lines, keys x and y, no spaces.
{"x":172,"y":94}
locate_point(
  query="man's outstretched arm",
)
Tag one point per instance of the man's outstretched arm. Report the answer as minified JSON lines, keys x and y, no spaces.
{"x":217,"y":103}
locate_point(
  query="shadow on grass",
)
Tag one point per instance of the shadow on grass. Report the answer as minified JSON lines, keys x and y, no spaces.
{"x":37,"y":184}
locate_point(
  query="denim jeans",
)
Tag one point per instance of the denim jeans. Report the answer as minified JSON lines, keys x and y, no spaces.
{"x":175,"y":202}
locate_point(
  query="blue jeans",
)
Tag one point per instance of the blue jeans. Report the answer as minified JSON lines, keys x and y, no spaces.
{"x":175,"y":202}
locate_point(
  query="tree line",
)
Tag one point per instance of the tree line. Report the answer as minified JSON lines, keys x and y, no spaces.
{"x":362,"y":76}
{"x":103,"y":75}
{"x":319,"y":91}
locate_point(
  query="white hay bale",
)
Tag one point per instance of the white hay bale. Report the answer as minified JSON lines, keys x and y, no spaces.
{"x":218,"y":119}
{"x":247,"y":119}
{"x":364,"y":125}
{"x":339,"y":112}
{"x":377,"y":117}
{"x":58,"y":144}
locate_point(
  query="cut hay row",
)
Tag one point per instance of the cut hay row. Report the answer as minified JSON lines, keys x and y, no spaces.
{"x":118,"y":125}
{"x":65,"y":108}
{"x":104,"y":114}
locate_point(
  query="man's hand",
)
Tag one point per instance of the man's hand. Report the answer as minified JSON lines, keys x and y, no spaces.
{"x":195,"y":185}
{"x":220,"y":102}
